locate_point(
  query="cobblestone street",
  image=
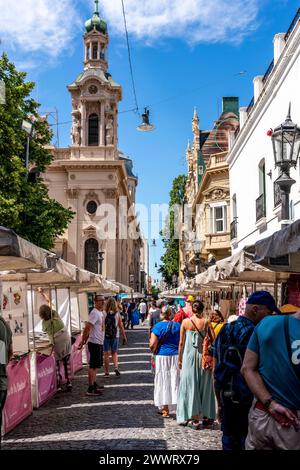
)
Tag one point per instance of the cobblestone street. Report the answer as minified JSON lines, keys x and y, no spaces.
{"x":123,"y":418}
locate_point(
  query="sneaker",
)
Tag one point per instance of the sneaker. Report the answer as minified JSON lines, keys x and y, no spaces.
{"x":98,"y":387}
{"x":106,"y":376}
{"x":93,"y":392}
{"x":69,"y":387}
{"x":117,"y":372}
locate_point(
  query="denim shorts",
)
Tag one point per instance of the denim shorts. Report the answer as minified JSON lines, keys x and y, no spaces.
{"x":111,"y":345}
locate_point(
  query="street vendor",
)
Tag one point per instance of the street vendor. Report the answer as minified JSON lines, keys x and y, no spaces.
{"x":59,"y":337}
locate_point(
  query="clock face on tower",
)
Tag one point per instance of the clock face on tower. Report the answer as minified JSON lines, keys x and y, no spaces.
{"x":93,"y":89}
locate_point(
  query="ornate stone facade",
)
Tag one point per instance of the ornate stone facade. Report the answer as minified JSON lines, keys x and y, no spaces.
{"x":92,"y":171}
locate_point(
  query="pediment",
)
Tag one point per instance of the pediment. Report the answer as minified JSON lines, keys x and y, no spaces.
{"x":216,"y":193}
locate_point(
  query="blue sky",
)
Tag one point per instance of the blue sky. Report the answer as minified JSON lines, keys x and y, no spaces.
{"x":190,"y":51}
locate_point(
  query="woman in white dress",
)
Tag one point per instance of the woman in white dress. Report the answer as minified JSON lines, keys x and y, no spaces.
{"x":164,"y":341}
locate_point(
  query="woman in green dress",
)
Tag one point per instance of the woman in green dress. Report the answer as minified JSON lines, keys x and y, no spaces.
{"x":196,"y":393}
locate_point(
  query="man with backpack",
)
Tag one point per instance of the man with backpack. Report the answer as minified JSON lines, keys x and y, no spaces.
{"x":233,"y":395}
{"x":272,"y":371}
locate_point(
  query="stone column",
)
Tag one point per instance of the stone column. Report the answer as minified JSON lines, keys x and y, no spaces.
{"x":83,"y":124}
{"x":102,"y":123}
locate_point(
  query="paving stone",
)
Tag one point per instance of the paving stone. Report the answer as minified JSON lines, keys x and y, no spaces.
{"x":123,"y":418}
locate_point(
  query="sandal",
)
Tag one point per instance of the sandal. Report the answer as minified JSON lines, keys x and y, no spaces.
{"x":165,"y":414}
{"x":207,"y":422}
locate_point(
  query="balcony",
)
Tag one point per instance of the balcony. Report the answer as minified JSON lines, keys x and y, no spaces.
{"x":260,"y":207}
{"x":233,"y":229}
{"x":217,"y":160}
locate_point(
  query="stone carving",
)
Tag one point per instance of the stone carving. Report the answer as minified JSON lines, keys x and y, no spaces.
{"x":72,"y":193}
{"x":218,"y":194}
{"x":109,"y":131}
{"x":110,"y":193}
{"x":76,"y":131}
{"x":91,"y":196}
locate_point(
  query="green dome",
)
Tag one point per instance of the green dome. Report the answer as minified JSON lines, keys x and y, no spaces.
{"x":96,"y":22}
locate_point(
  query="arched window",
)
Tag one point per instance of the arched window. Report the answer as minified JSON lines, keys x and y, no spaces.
{"x":91,"y":249}
{"x":93,"y":129}
{"x":95,"y":51}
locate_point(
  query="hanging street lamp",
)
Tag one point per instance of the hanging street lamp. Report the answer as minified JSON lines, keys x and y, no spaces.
{"x":286,"y":148}
{"x":145,"y":126}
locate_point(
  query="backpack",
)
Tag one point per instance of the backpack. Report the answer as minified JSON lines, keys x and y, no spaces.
{"x":228,"y":378}
{"x":110,"y":326}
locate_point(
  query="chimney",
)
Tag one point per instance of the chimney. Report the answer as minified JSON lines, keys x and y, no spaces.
{"x":230,"y":104}
{"x":279,"y":45}
{"x":243,"y":116}
{"x":258,"y":86}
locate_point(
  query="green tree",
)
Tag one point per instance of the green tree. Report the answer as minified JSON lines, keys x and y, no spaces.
{"x":25,"y":206}
{"x":170,"y":258}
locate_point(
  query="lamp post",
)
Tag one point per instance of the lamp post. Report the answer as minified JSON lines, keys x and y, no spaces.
{"x":286,"y":147}
{"x":100,"y":261}
{"x":197,"y":251}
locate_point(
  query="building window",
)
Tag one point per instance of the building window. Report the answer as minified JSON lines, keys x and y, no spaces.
{"x":95,"y":51}
{"x":88,"y":52}
{"x":261,"y":200}
{"x":91,"y":249}
{"x":91,"y":207}
{"x":218,"y":215}
{"x":93,"y":129}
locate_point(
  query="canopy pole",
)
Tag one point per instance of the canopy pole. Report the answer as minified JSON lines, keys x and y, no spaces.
{"x":32,"y":316}
{"x":56,"y":301}
{"x":70,"y":310}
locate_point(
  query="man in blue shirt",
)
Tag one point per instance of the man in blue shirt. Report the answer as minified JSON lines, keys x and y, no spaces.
{"x":233,"y":396}
{"x":272,"y":371}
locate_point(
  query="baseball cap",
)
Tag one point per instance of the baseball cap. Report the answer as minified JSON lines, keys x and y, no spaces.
{"x":262,"y":297}
{"x":189,"y":298}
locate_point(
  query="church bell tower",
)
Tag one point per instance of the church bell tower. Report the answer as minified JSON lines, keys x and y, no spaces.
{"x":95,"y":98}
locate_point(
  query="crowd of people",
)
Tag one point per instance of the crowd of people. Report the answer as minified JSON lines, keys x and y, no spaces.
{"x":244,"y":372}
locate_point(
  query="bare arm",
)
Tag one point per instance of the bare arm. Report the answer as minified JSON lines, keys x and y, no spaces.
{"x":153,"y":342}
{"x":85,"y":334}
{"x":44,"y":295}
{"x":121,"y":326}
{"x":256,"y":384}
{"x":181,"y":344}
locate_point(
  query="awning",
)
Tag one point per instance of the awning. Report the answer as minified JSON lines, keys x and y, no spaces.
{"x":283,"y":242}
{"x":240,"y":266}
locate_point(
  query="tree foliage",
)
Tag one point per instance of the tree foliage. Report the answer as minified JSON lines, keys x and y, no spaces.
{"x":170,"y":258}
{"x":25,"y":206}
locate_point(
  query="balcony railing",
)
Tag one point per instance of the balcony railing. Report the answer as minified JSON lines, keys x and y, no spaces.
{"x":292,"y":25}
{"x":268,"y":72}
{"x":277,"y":195}
{"x":250,"y":106}
{"x":233,"y":229}
{"x":260,"y":207}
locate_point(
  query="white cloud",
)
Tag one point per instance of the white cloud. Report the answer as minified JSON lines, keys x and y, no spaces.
{"x":38,"y":26}
{"x":193,"y":21}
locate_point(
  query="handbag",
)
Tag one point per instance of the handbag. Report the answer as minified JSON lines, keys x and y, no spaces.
{"x":206,"y":358}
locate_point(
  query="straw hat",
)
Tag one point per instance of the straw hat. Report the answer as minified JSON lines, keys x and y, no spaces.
{"x":289,"y":308}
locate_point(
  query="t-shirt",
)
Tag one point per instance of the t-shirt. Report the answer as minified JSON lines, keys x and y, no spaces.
{"x":53,"y":325}
{"x":170,"y":345}
{"x":6,"y":338}
{"x":154,"y":317}
{"x":143,"y":307}
{"x":275,"y":367}
{"x":97,"y":319}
